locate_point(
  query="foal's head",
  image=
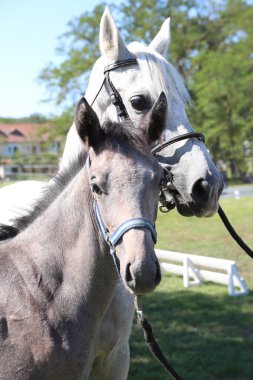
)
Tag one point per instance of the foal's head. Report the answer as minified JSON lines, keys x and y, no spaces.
{"x":125,"y":180}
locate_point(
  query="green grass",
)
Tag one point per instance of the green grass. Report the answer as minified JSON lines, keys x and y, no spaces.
{"x":202,"y":331}
{"x":205,"y":334}
{"x":208,"y":236}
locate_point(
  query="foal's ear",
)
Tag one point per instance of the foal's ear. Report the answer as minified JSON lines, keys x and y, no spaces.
{"x":162,"y":40}
{"x":111,"y":43}
{"x":87,"y":124}
{"x":155,"y":121}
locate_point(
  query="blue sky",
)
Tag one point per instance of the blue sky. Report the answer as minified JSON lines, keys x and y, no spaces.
{"x":28,"y":38}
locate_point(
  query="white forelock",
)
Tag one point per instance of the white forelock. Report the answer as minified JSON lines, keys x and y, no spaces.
{"x":167,"y":79}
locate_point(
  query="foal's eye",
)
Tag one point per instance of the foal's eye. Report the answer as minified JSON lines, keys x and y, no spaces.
{"x":139,"y":103}
{"x":96,"y":189}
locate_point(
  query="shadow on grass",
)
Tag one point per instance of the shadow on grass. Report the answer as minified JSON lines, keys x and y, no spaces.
{"x":204,"y":336}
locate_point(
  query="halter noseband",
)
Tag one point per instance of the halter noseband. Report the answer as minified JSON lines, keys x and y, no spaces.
{"x":113,"y":239}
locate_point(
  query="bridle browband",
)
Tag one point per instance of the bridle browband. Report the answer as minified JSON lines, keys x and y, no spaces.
{"x":112,"y":239}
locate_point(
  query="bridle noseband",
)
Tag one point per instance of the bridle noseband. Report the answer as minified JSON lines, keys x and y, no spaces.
{"x":113,"y":239}
{"x":173,"y":140}
{"x":167,"y":178}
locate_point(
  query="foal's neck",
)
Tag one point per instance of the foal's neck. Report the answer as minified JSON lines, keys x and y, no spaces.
{"x":67,"y":252}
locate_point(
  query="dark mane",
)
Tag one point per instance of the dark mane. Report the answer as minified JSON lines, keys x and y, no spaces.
{"x":126,"y":133}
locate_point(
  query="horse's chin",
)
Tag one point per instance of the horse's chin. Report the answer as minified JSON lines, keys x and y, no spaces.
{"x":181,"y":205}
{"x":187,"y":209}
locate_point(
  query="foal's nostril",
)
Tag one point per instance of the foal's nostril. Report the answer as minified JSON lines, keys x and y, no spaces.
{"x":128,"y":277}
{"x":201,"y":191}
{"x":158,"y":275}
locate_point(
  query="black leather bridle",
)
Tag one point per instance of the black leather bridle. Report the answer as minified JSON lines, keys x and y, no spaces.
{"x":115,"y":96}
{"x":122,"y":113}
{"x":173,"y":140}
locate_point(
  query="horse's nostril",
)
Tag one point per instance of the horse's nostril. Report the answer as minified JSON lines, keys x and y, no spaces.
{"x":201,"y":191}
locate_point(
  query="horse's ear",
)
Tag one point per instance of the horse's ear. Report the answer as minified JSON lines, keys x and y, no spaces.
{"x":162,"y":40}
{"x":87,"y":124}
{"x":155,"y":121}
{"x":111,"y":43}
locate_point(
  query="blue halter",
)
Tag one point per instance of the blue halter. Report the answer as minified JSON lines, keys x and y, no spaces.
{"x":113,"y":239}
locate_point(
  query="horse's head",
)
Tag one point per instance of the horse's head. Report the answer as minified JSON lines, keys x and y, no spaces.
{"x":124,"y":179}
{"x":196,"y":183}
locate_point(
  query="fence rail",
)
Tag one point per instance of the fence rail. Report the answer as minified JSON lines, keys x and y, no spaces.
{"x":23,"y":171}
{"x":195,"y":269}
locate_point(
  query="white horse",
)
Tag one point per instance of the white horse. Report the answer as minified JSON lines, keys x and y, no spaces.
{"x":196,"y":184}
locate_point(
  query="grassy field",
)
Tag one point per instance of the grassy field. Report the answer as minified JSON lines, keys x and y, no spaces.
{"x":206,"y":334}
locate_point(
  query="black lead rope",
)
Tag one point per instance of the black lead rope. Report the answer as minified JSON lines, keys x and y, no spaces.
{"x":233,"y":233}
{"x":147,"y":329}
{"x":151,"y":341}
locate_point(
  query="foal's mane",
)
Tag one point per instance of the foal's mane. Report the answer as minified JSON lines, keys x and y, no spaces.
{"x":115,"y":135}
{"x":125,"y":133}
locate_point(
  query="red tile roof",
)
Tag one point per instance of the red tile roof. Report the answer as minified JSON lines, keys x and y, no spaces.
{"x":26,"y":132}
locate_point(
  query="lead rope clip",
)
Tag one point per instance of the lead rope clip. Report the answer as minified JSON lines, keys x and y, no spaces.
{"x":138,"y":308}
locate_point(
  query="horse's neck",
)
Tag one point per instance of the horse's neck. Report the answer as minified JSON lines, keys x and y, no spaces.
{"x":74,"y":145}
{"x":70,"y":262}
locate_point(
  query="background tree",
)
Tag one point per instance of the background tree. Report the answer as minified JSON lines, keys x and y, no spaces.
{"x":211,"y":47}
{"x":223,"y":82}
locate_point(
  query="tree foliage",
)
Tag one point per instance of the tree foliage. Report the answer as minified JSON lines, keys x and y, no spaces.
{"x":35,"y":118}
{"x":211,"y":47}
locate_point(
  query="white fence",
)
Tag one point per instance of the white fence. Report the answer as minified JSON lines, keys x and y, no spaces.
{"x":191,"y":267}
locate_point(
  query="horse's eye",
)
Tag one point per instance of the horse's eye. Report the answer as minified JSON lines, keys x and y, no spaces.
{"x":139,"y":103}
{"x":96,"y":189}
